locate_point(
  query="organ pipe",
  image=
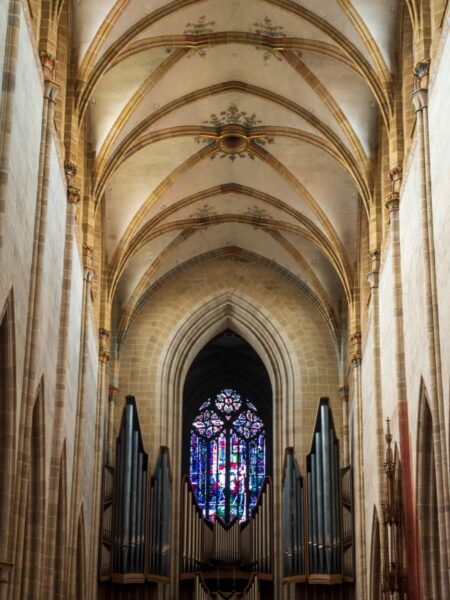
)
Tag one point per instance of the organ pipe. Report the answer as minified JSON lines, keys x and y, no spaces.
{"x":323,"y":479}
{"x":136,"y":525}
{"x":317,"y":512}
{"x":160,"y":519}
{"x":293,"y":518}
{"x":129,"y":499}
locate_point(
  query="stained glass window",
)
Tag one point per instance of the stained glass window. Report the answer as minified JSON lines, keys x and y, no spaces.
{"x":228,"y":457}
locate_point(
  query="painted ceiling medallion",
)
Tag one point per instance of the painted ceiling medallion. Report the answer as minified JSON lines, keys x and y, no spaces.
{"x":233,"y":140}
{"x":235,"y":129}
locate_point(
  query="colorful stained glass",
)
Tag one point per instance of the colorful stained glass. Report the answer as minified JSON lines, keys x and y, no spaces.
{"x":227,"y":458}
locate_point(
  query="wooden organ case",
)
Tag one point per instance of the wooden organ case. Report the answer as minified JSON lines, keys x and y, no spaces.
{"x":317,"y":515}
{"x":135,"y":525}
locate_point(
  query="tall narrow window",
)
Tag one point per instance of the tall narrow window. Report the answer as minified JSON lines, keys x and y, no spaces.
{"x":227,"y":457}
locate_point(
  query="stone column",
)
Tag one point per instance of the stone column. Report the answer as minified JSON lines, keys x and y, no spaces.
{"x":360,"y":525}
{"x":414,"y":585}
{"x":99,"y":459}
{"x":73,"y":198}
{"x":7,"y":106}
{"x":373,"y":277}
{"x":33,"y":576}
{"x":435,"y":390}
{"x":77,"y":477}
{"x":343,"y":394}
{"x":113,"y":395}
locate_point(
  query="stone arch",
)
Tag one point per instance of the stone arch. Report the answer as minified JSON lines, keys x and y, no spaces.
{"x":375,"y":559}
{"x":427,"y":503}
{"x":7,"y":418}
{"x":35,"y":503}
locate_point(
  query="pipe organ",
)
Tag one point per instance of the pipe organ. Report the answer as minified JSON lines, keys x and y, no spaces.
{"x":248,"y":545}
{"x":136,"y":517}
{"x":317,"y":515}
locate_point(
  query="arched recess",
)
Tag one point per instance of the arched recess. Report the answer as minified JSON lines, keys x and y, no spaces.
{"x":427,"y":505}
{"x":227,"y":311}
{"x":80,"y":567}
{"x":59,"y":590}
{"x":35,"y":507}
{"x":375,"y":559}
{"x":7,"y":419}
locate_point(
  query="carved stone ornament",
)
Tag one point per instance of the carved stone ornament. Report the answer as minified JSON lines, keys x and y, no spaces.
{"x":113,"y":393}
{"x":393,"y":202}
{"x":48,"y":60}
{"x":70,"y":169}
{"x":73,"y":194}
{"x":343,"y":392}
{"x":104,"y":356}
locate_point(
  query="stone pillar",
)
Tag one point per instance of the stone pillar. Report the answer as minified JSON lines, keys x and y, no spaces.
{"x":414,"y":585}
{"x":373,"y":277}
{"x":113,"y":394}
{"x":360,"y":525}
{"x":99,"y":459}
{"x":435,"y":390}
{"x":33,"y":576}
{"x":73,"y":198}
{"x":77,"y":477}
{"x":343,"y":393}
{"x":7,"y":106}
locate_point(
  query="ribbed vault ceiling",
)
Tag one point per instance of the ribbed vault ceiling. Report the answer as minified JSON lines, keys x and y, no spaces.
{"x":237,"y":126}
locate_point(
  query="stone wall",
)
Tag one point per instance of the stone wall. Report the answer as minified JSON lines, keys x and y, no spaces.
{"x":17,"y":260}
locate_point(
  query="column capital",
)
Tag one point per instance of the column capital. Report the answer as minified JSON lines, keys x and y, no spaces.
{"x":113,"y":393}
{"x":356,"y":360}
{"x":48,"y":61}
{"x":88,"y":255}
{"x":396,"y":175}
{"x":70,"y":169}
{"x":104,"y":336}
{"x":104,"y":356}
{"x":393,"y":202}
{"x":73,"y":194}
{"x":343,"y":392}
{"x":421,"y":74}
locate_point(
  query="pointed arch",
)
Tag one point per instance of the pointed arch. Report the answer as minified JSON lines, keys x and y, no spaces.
{"x":375,"y":559}
{"x":80,"y":567}
{"x":61,"y":531}
{"x":427,"y":504}
{"x":7,"y":417}
{"x":35,"y":503}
